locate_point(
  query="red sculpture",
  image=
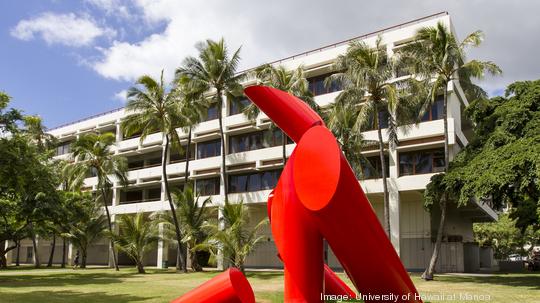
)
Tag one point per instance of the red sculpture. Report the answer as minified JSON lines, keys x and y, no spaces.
{"x":318,"y":196}
{"x":229,"y":286}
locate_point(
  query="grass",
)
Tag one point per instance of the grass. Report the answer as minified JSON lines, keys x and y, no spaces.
{"x":30,"y":285}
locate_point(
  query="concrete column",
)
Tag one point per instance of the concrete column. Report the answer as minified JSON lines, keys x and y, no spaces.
{"x":9,"y":254}
{"x":115,"y":230}
{"x":220,"y":258}
{"x":70,"y":254}
{"x":115,"y":199}
{"x":393,"y":199}
{"x":162,"y":248}
{"x":118,"y":131}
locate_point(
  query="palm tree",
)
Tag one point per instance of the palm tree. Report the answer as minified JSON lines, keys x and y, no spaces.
{"x":365,"y":76}
{"x":438,"y":58}
{"x":152,"y":110}
{"x":137,"y":236}
{"x":237,"y":239}
{"x":341,"y":118}
{"x":193,"y":216}
{"x":192,"y":104}
{"x":37,"y":132}
{"x":94,"y":156}
{"x":86,"y":223}
{"x":293,"y":82}
{"x":215,"y":70}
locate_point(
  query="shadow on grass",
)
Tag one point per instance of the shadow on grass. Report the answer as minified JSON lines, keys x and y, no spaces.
{"x":264,"y":275}
{"x":62,"y":279}
{"x":531,"y":281}
{"x":67,"y":296}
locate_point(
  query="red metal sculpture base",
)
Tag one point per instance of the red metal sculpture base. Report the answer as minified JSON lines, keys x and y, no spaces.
{"x":229,"y":286}
{"x":318,"y":197}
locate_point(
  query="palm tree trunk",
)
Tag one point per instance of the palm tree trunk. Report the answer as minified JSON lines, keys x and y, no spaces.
{"x":186,"y":180}
{"x":37,"y":264}
{"x":428,"y":273}
{"x":284,"y":147}
{"x":140,"y":267}
{"x":63,"y":253}
{"x":83,"y":258}
{"x":3,"y":259}
{"x":18,"y":258}
{"x":109,"y":223}
{"x":51,"y":256}
{"x":222,"y":136}
{"x":181,"y":260}
{"x":385,"y":186}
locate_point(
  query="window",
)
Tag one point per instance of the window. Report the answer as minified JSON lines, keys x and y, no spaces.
{"x":421,"y":162}
{"x":237,"y":105}
{"x":209,"y":149}
{"x":207,"y":187}
{"x":63,"y":148}
{"x":132,"y":196}
{"x":256,"y":140}
{"x":133,"y":135}
{"x":154,"y":194}
{"x":372,"y":168}
{"x":317,"y":87}
{"x":253,"y":181}
{"x":212,"y":112}
{"x":435,"y":111}
{"x":177,"y":156}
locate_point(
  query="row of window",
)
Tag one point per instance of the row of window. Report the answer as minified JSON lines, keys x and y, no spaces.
{"x":410,"y":163}
{"x":256,"y":140}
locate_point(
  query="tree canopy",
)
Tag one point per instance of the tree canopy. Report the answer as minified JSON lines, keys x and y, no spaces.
{"x":501,"y":165}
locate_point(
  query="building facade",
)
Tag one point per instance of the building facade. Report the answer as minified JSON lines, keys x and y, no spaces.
{"x":254,"y":162}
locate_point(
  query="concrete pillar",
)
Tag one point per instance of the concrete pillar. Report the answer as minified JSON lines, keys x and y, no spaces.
{"x":393,"y":199}
{"x":70,"y":254}
{"x":162,"y":249}
{"x":115,"y":230}
{"x":220,"y":258}
{"x":9,"y":254}
{"x":118,"y":132}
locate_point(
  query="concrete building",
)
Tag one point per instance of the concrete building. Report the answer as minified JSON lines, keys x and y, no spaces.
{"x":254,"y":164}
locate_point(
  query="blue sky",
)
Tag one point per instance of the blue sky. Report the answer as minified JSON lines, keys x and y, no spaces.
{"x":65,"y":60}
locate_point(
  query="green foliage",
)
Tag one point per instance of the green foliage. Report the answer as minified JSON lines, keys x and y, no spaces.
{"x":8,"y":117}
{"x":86,"y":222}
{"x":502,"y":163}
{"x":137,"y":236}
{"x":233,"y":234}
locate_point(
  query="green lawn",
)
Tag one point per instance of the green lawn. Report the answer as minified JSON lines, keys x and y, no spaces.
{"x":105,"y":285}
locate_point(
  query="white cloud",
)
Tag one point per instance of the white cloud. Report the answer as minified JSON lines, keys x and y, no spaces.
{"x":111,"y":7}
{"x":276,"y":29}
{"x":121,"y":96}
{"x":66,"y":29}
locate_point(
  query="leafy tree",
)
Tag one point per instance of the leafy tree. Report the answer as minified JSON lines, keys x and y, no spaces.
{"x":94,"y":156}
{"x":8,"y":117}
{"x":501,"y":166}
{"x":293,"y":82}
{"x":153,"y":109}
{"x":503,"y":236}
{"x":437,"y":57}
{"x":365,"y":73}
{"x":215,"y":69}
{"x":237,"y":239}
{"x":86,"y":222}
{"x":136,"y":238}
